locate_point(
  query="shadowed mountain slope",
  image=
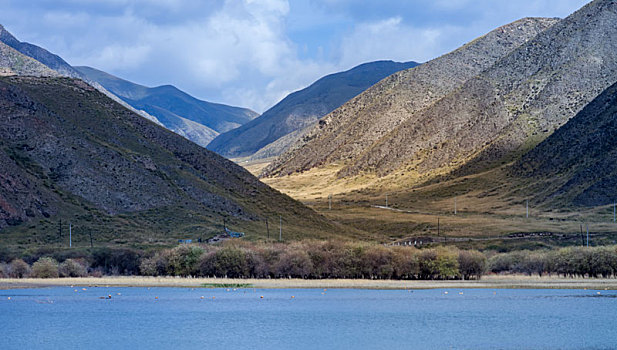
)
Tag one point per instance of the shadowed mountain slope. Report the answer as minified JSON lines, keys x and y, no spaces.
{"x":576,"y":164}
{"x":360,"y":127}
{"x":67,"y":152}
{"x":197,"y":120}
{"x":301,"y":109}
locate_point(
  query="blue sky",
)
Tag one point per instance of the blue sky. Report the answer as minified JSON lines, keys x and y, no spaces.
{"x":252,"y":53}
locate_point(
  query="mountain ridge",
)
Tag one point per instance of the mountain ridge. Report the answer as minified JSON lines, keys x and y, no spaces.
{"x":68,"y":152}
{"x":354,"y":128}
{"x":302,"y":108}
{"x":198,"y":120}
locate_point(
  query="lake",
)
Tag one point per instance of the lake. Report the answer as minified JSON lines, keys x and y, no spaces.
{"x":178,"y":318}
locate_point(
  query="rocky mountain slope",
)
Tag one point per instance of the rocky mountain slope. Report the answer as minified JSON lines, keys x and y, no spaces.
{"x":576,"y":164}
{"x":67,"y":152}
{"x":199,"y":121}
{"x":13,"y":62}
{"x":47,"y":58}
{"x":301,"y":109}
{"x":495,"y":116}
{"x":351,"y":132}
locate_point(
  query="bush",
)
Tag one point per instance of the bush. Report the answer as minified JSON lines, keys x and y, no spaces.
{"x":45,"y":267}
{"x":19,"y":269}
{"x":73,"y":268}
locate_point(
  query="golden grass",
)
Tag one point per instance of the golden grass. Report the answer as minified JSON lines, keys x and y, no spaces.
{"x":486,"y":206}
{"x":487,"y":282}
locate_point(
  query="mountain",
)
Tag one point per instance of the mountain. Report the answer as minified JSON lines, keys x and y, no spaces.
{"x":197,"y":120}
{"x":45,"y":57}
{"x":351,"y":132}
{"x":301,"y":109}
{"x":13,"y":62}
{"x":576,"y":164}
{"x":68,"y":153}
{"x":491,"y":119}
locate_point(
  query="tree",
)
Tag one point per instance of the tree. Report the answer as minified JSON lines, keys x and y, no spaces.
{"x":19,"y":269}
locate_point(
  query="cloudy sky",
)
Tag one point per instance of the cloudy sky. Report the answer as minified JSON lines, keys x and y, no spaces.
{"x":252,"y":53}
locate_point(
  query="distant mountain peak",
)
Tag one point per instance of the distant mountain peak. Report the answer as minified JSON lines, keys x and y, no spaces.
{"x":199,"y":121}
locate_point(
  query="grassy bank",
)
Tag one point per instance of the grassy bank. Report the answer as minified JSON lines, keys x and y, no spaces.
{"x":488,"y":282}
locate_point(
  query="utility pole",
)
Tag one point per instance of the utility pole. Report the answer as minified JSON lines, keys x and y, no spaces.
{"x":454,"y":205}
{"x":70,"y":235}
{"x":268,"y":229}
{"x":582,"y":239}
{"x":527,"y":207}
{"x":280,"y":228}
{"x":330,"y":202}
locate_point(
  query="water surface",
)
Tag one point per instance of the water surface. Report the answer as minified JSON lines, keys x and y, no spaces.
{"x":178,"y":318}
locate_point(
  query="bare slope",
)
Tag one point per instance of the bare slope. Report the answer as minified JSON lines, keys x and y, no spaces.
{"x":345,"y":134}
{"x":301,"y":109}
{"x":67,"y":152}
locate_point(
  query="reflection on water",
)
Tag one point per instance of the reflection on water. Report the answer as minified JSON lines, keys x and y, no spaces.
{"x":180,"y":318}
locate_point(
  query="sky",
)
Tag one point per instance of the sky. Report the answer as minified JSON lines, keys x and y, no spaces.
{"x":252,"y":53}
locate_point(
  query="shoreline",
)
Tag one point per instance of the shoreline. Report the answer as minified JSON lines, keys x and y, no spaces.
{"x":487,"y":282}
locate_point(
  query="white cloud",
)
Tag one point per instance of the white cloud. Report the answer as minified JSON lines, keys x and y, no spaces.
{"x":389,"y":39}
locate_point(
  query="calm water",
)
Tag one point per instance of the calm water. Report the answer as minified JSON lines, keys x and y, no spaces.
{"x":53,"y":318}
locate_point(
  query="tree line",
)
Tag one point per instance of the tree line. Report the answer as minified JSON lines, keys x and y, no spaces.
{"x":312,"y":260}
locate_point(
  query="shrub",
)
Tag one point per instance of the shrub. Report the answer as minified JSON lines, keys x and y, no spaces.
{"x":19,"y":269}
{"x":45,"y":267}
{"x":73,"y":268}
